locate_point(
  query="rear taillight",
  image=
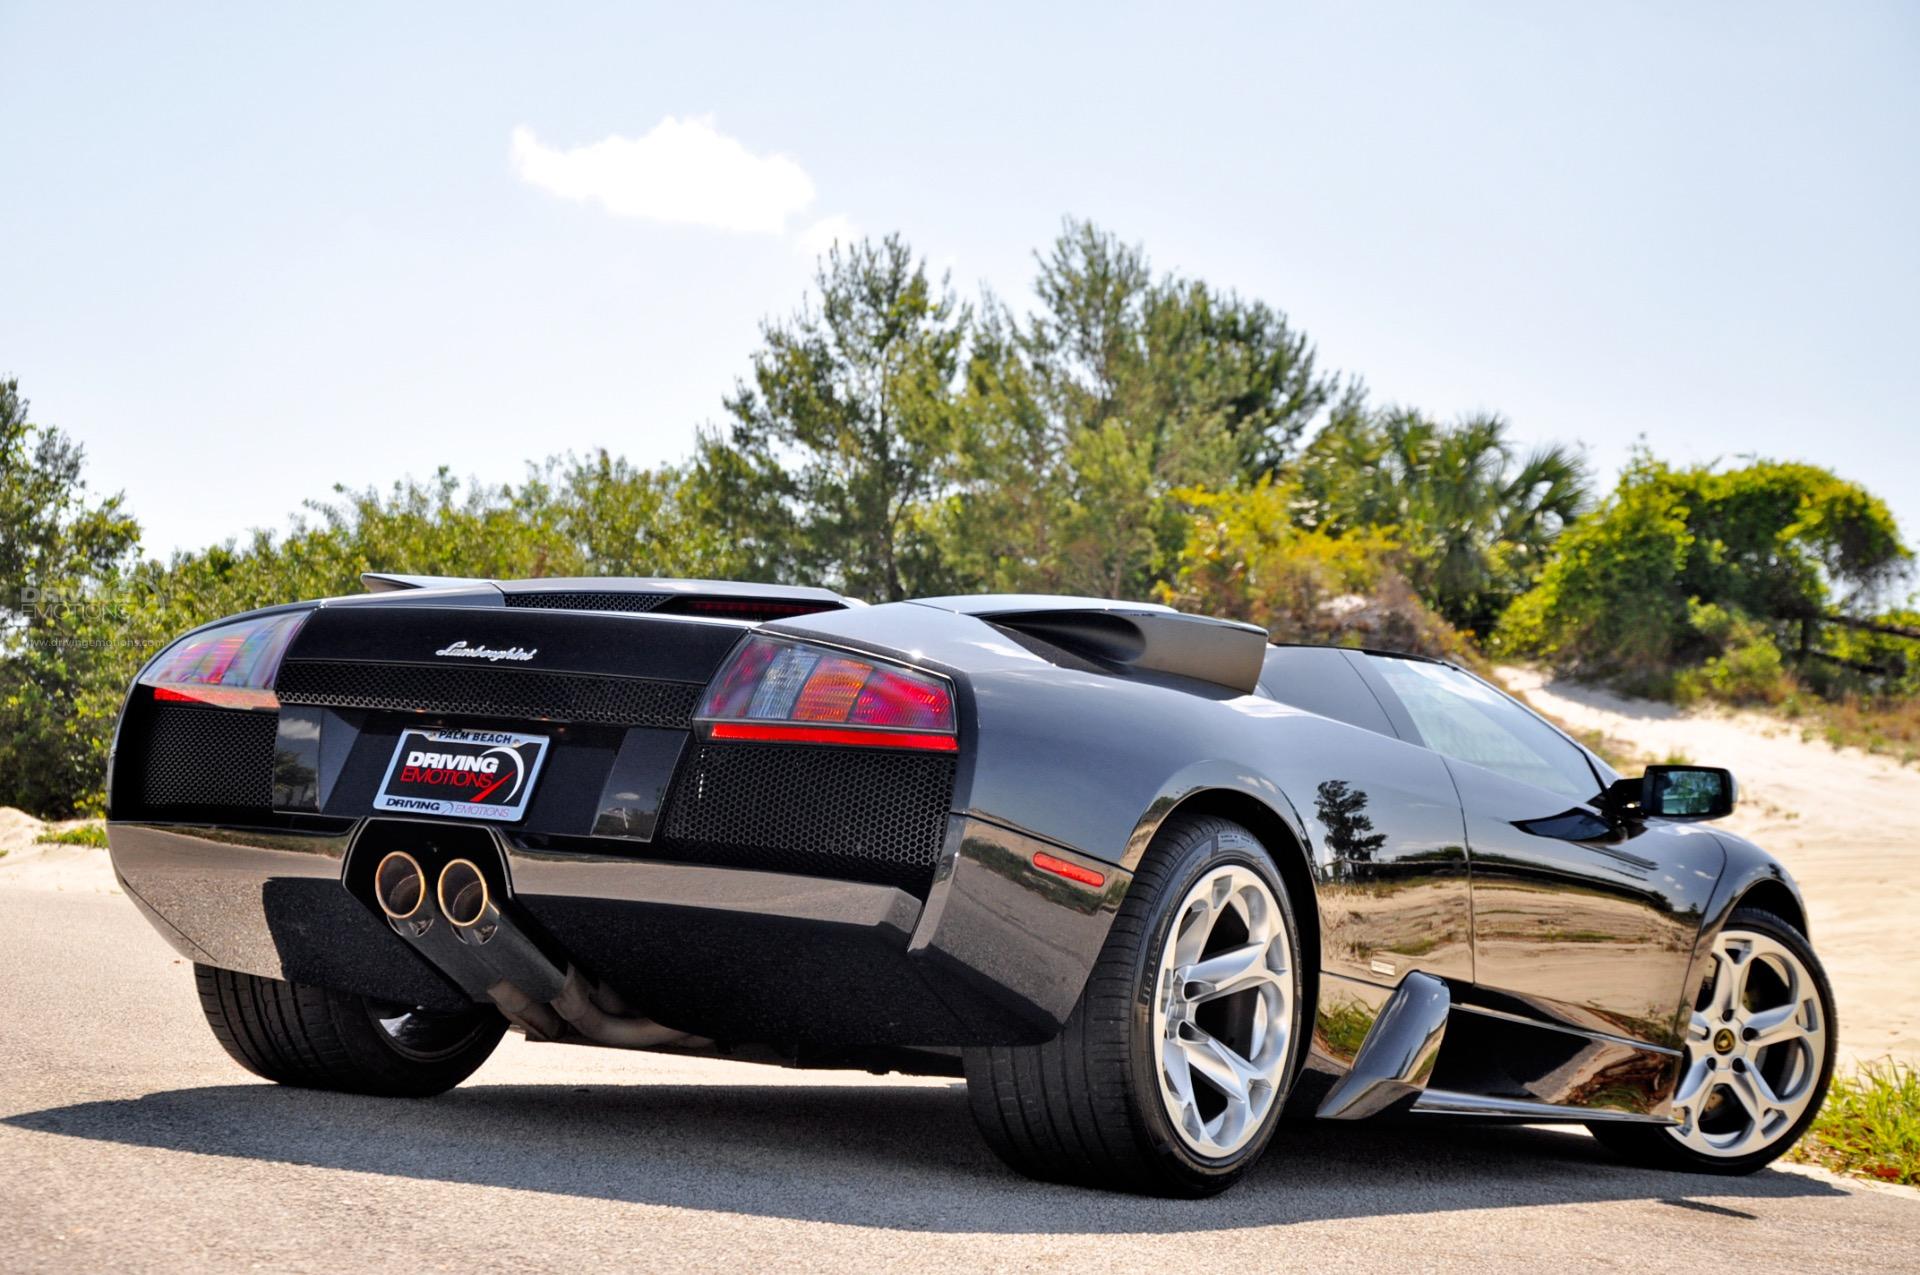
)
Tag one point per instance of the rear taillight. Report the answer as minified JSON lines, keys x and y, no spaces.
{"x":778,"y":690}
{"x":231,"y":666}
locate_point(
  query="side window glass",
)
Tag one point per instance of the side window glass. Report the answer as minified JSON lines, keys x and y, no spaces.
{"x":1468,"y":720}
{"x":1319,"y":679}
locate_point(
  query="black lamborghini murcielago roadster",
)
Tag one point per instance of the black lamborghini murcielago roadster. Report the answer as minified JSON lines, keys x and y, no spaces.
{"x":1142,"y":878}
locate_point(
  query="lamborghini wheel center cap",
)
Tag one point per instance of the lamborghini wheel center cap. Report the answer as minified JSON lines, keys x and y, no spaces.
{"x":1724,"y":1040}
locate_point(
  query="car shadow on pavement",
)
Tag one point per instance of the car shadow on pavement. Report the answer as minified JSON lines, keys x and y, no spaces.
{"x":903,"y":1157}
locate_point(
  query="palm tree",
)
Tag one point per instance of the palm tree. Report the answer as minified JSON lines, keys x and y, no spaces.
{"x":1473,"y":524}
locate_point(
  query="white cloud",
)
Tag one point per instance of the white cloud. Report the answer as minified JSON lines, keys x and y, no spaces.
{"x":684,"y":172}
{"x":815,"y":239}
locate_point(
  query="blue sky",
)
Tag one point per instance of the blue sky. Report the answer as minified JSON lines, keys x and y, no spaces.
{"x":250,"y":252}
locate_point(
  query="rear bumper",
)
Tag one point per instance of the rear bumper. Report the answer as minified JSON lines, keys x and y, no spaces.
{"x":996,"y":954}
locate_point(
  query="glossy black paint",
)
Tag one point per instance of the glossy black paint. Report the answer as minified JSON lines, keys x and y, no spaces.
{"x":1142,"y":637}
{"x":270,"y":902}
{"x":637,"y":783}
{"x":1569,"y":939}
{"x":1589,"y":922}
{"x":1513,"y":1057}
{"x":1018,"y":933}
{"x":666,"y":648}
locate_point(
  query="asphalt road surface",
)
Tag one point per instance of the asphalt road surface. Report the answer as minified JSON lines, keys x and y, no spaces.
{"x":128,"y":1141}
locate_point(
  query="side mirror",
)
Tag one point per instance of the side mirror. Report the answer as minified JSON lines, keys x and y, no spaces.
{"x":1677,"y":792}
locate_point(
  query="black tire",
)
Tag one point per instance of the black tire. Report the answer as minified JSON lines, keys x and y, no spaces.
{"x":1085,"y":1107}
{"x":1656,"y":1147}
{"x":314,"y":1038}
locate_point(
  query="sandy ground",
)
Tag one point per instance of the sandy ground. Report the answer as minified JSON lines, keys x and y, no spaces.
{"x":131,"y":1143}
{"x":1842,"y":820}
{"x":25,"y":861}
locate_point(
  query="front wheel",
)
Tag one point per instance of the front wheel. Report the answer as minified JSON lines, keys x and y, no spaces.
{"x":1171,"y":1072}
{"x":1759,"y":1054}
{"x":316,"y":1038}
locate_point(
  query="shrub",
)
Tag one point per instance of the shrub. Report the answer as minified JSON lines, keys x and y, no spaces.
{"x":81,"y":834}
{"x":1747,"y":667}
{"x":1245,"y":559}
{"x":1695,"y":568}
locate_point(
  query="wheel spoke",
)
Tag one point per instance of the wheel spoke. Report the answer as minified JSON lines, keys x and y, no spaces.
{"x":1730,"y":985}
{"x":1741,"y":1086}
{"x":1190,"y":935}
{"x":1228,"y":1071}
{"x":1173,"y":1061}
{"x":1774,"y":1026}
{"x":1230,"y":971}
{"x":1693,"y":1084}
{"x":1762,"y":1089}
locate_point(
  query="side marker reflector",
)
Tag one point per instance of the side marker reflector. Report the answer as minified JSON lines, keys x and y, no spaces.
{"x":1071,"y":871}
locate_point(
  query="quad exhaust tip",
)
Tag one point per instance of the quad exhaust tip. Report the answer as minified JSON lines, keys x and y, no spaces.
{"x":463,"y":894}
{"x":484,"y":950}
{"x":400,"y":886}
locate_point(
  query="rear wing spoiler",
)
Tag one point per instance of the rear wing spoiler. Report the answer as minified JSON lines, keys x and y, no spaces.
{"x":391,"y":582}
{"x":1139,"y":635}
{"x":729,"y":599}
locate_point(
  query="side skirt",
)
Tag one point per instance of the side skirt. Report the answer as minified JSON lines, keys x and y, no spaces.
{"x":1425,"y":1051}
{"x":1442,"y":1102}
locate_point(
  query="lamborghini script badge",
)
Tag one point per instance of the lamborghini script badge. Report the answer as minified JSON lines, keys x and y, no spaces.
{"x":491,"y":654}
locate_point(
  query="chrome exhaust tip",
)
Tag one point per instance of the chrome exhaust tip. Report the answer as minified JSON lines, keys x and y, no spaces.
{"x":464,"y":897}
{"x":400,"y":886}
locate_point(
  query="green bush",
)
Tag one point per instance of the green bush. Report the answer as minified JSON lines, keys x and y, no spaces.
{"x":1687,"y":578}
{"x":93,"y":835}
{"x":1612,"y":599}
{"x":1245,"y":559}
{"x":1747,"y":667}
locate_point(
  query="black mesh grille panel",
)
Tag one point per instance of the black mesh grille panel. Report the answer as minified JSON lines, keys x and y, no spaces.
{"x":488,"y":692}
{"x":587,"y":600}
{"x":858,"y":814}
{"x":208,"y":757}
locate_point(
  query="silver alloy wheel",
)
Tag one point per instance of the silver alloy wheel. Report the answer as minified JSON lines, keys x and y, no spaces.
{"x":1754,"y":1052}
{"x":1223,"y":1011}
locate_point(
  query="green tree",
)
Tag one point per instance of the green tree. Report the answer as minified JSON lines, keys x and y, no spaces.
{"x":1475,"y":520}
{"x":998,"y":523}
{"x":623,"y":520}
{"x":62,"y":640}
{"x":1117,"y":391}
{"x":843,"y":435}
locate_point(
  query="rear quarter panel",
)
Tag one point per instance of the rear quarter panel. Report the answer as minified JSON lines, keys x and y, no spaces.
{"x":1095,"y":762}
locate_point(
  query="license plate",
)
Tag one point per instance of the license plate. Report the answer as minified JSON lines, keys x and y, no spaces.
{"x":463,"y":774}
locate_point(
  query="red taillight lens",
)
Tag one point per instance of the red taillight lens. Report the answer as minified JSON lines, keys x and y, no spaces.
{"x":774,"y":689}
{"x":232,"y":666}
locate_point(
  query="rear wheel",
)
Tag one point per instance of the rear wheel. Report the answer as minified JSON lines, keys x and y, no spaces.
{"x":1170,"y":1074}
{"x":315,"y":1038}
{"x":1759,"y":1054}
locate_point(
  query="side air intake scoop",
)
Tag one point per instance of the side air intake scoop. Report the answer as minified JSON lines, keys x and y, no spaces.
{"x":1141,"y":635}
